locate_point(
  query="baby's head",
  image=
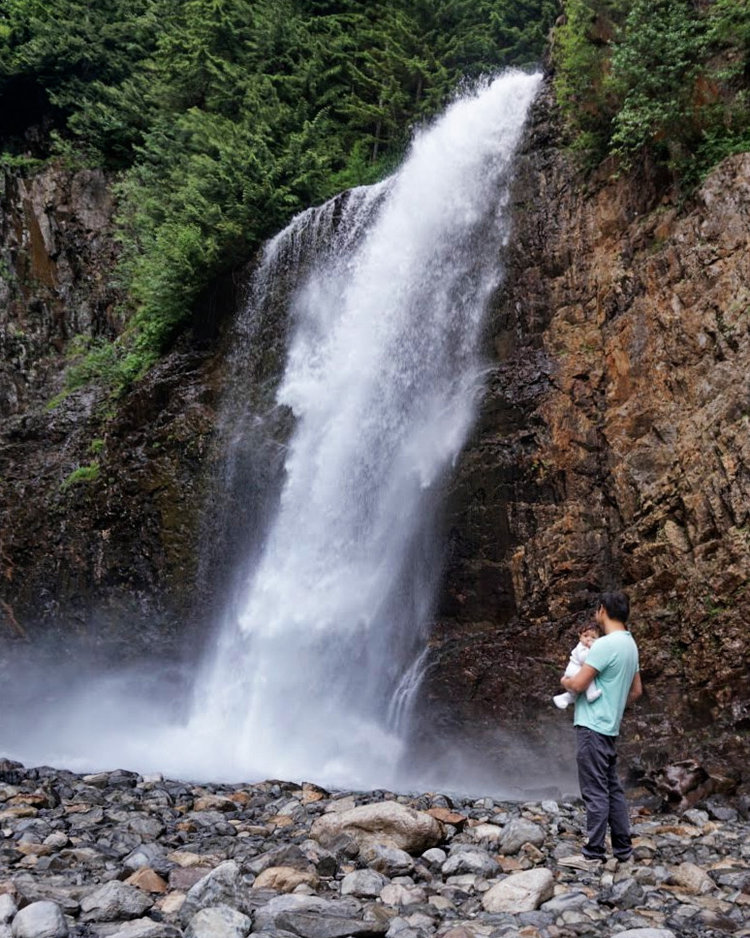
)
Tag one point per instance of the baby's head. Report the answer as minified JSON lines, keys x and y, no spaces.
{"x":589,"y":634}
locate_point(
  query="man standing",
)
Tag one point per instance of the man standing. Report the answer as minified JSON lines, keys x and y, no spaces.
{"x":613,"y":661}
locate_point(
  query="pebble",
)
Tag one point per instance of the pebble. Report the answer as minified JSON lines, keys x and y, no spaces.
{"x":117,"y":855}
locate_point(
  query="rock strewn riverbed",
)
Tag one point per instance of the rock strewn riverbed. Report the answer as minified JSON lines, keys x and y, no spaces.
{"x":118,"y":855}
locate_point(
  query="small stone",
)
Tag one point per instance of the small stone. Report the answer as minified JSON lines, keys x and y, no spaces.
{"x":491,"y":833}
{"x":113,"y":902}
{"x":285,"y":879}
{"x":397,"y":895}
{"x":222,"y":886}
{"x":441,"y":903}
{"x":185,"y":879}
{"x":317,"y":925}
{"x":626,"y":894}
{"x":215,"y":803}
{"x":8,"y":908}
{"x":57,"y":840}
{"x":218,"y":921}
{"x":446,"y":816}
{"x":145,"y":928}
{"x":363,"y":883}
{"x":645,"y":933}
{"x":435,"y":857}
{"x":151,"y":856}
{"x":171,"y":903}
{"x":519,"y":832}
{"x":390,"y":861}
{"x":148,"y":880}
{"x":40,"y":920}
{"x":521,"y":892}
{"x":692,"y":878}
{"x":470,"y":860}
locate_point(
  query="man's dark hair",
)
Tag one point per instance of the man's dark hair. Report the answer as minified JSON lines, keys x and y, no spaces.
{"x":616,"y":605}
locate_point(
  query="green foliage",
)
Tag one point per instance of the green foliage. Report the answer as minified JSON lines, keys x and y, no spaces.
{"x":662,"y":79}
{"x":654,"y":69}
{"x":582,"y":54}
{"x":89,"y":473}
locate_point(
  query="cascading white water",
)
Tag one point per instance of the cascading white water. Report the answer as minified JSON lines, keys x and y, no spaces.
{"x":317,"y":664}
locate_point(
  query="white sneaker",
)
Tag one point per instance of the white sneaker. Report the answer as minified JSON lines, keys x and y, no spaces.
{"x":561,"y":701}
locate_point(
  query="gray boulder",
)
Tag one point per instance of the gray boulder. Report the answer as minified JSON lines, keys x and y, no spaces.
{"x":390,"y":861}
{"x":218,"y":921}
{"x":146,"y":928}
{"x":387,"y":822}
{"x":8,"y":908}
{"x":40,"y":920}
{"x":519,"y":832}
{"x":522,"y":892}
{"x":363,"y":883}
{"x":470,"y":859}
{"x":115,"y":901}
{"x":224,"y":885}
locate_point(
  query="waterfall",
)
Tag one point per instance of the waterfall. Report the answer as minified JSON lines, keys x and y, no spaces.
{"x":323,"y":646}
{"x":335,"y":468}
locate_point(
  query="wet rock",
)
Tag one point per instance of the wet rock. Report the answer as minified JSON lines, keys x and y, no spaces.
{"x":40,"y":920}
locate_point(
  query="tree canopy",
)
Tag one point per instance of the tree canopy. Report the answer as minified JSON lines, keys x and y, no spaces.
{"x":222,"y":118}
{"x":664,"y":80}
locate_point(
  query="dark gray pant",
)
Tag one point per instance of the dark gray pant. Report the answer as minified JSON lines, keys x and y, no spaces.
{"x":602,"y":794}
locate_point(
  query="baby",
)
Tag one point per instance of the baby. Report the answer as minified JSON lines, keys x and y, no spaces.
{"x":586,"y":638}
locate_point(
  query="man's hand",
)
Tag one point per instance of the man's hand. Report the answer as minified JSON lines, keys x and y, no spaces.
{"x":636,"y":689}
{"x":579,"y":682}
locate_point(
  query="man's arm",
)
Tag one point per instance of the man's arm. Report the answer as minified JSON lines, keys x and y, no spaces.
{"x":579,"y":682}
{"x":636,"y":688}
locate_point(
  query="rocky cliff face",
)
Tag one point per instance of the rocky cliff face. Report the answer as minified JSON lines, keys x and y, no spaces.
{"x":101,"y":499}
{"x":612,"y":451}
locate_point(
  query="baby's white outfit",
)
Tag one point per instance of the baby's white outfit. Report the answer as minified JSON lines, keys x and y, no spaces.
{"x":577,"y":659}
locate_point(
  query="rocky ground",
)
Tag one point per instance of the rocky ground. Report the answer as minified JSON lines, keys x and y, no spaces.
{"x":118,"y":855}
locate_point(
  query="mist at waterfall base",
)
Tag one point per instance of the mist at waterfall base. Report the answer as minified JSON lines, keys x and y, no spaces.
{"x":320,"y":656}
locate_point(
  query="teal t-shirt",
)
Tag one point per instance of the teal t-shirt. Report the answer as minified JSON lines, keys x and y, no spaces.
{"x":615,"y":657}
